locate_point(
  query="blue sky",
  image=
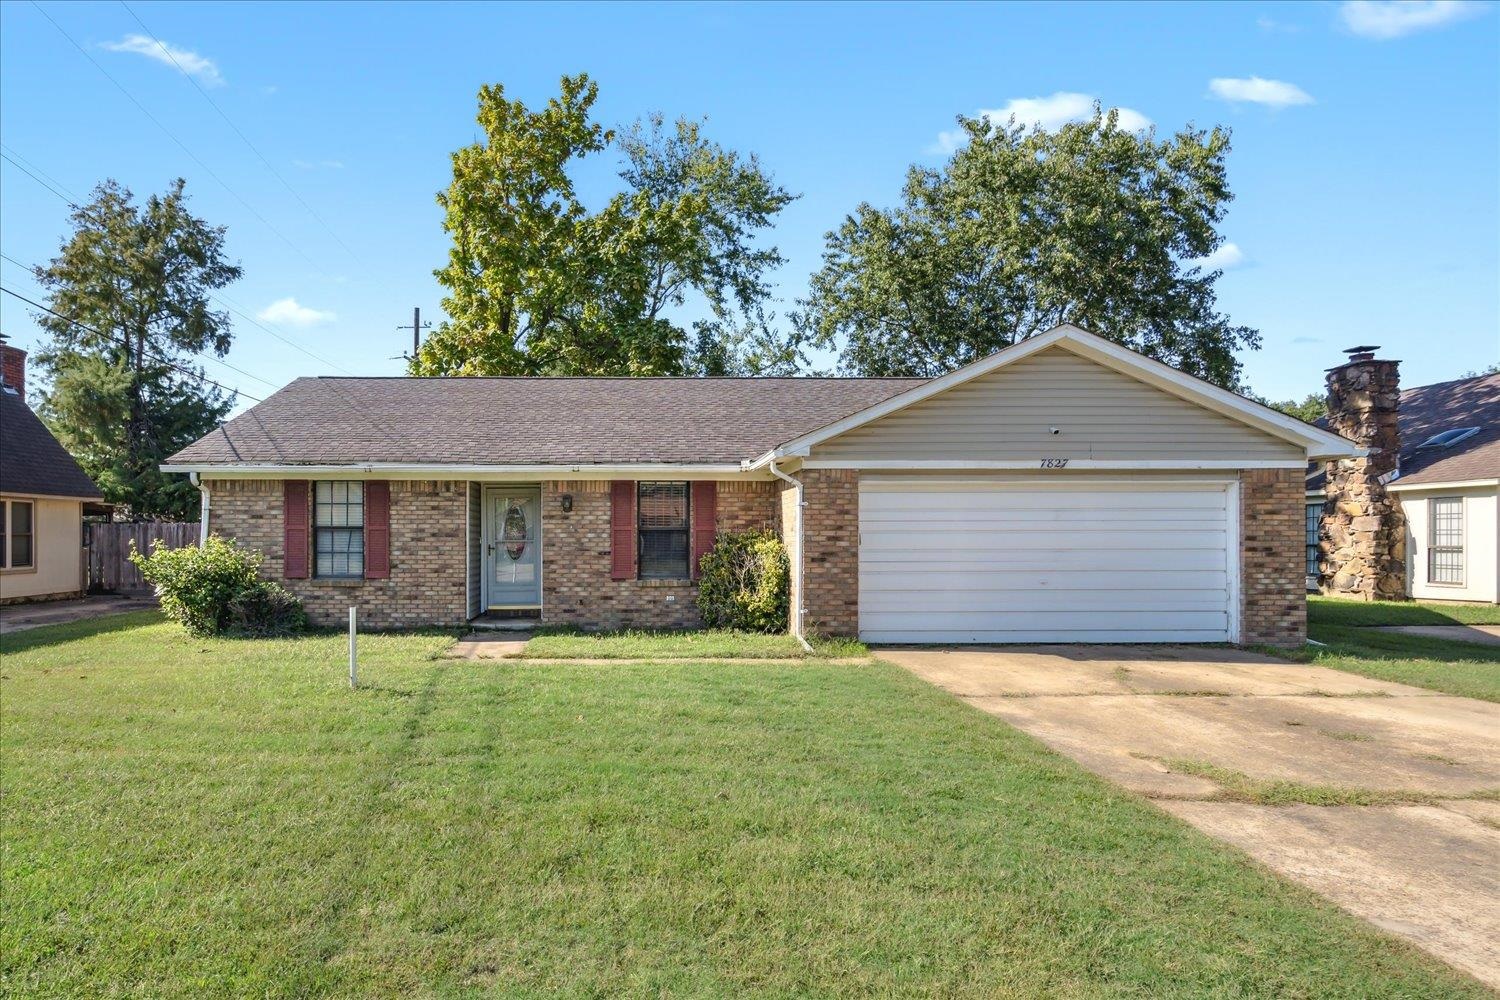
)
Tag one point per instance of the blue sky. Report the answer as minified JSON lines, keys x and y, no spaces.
{"x":1366,"y":162}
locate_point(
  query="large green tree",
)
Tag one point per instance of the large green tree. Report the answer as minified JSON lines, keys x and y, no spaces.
{"x":1026,"y":228}
{"x":133,"y":283}
{"x":538,"y":284}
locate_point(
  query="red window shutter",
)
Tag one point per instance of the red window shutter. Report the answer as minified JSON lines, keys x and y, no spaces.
{"x":377,"y":530}
{"x":622,"y":530}
{"x":294,"y":515}
{"x":705,"y":507}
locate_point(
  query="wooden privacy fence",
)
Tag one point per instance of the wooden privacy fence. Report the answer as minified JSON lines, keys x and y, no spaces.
{"x":108,"y":545}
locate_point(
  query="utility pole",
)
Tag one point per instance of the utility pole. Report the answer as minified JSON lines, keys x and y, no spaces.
{"x":416,"y":328}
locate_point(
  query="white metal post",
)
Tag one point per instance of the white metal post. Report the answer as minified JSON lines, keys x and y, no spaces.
{"x":353,"y":670}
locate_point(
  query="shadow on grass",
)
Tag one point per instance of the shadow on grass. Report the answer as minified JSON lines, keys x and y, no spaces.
{"x":51,"y":635}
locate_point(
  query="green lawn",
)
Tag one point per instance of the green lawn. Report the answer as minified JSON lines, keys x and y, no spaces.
{"x":1336,"y":611}
{"x":206,"y":818}
{"x":1351,"y":643}
{"x":708,"y":644}
{"x":1464,"y":668}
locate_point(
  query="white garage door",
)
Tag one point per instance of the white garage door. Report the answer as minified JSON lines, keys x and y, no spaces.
{"x":955,"y":561}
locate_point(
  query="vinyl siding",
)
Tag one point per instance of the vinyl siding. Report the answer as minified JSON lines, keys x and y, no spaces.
{"x":1100,"y":413}
{"x":476,"y":552}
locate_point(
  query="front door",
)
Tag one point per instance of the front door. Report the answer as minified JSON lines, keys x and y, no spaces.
{"x":513,"y":547}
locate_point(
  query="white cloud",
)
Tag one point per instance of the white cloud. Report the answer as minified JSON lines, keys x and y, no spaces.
{"x":289,"y":312}
{"x":1273,"y":26}
{"x":1227,"y":256}
{"x":168,"y":54}
{"x":1394,"y":18}
{"x":1051,"y":113}
{"x":1255,"y":90}
{"x":318,"y":164}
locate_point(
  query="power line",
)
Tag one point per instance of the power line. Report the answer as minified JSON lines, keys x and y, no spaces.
{"x":219,"y":299}
{"x":8,"y":159}
{"x":32,"y":269}
{"x":243,"y":138}
{"x":164,"y":360}
{"x":168,"y":132}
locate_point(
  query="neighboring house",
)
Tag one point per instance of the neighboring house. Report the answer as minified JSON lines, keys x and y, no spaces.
{"x":1442,"y":481}
{"x":42,"y":497}
{"x":1064,"y":489}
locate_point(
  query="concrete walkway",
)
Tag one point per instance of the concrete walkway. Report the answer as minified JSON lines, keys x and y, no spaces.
{"x":1488,"y":635}
{"x":20,"y":617}
{"x":1426,"y":868}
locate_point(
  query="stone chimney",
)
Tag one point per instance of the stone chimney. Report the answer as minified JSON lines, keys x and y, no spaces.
{"x":1363,"y":535}
{"x":13,"y":368}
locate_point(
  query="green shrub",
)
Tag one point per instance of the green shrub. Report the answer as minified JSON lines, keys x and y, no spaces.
{"x":214,"y":588}
{"x":745,"y":583}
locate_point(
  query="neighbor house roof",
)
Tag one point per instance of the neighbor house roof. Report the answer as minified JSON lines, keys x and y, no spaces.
{"x":531,"y":421}
{"x":31,"y":459}
{"x":1429,"y":410}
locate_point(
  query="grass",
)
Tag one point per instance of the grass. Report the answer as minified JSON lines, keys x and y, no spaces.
{"x":1469,"y":669}
{"x":1236,"y":786}
{"x":1338,"y":612}
{"x":709,"y":644}
{"x":203,"y":818}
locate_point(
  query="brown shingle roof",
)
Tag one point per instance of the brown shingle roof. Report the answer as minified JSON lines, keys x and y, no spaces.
{"x":32,"y":460}
{"x":1432,"y":409}
{"x":533,"y":421}
{"x":1443,"y":406}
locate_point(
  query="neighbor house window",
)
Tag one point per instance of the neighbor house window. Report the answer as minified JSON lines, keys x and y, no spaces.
{"x":662,"y":523}
{"x":1314,"y":519}
{"x":339,"y":519}
{"x":1445,"y":554}
{"x":17,"y":534}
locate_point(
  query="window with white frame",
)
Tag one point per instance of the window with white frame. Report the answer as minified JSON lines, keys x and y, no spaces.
{"x":17,"y":534}
{"x":1314,"y":519}
{"x":339,"y":523}
{"x":1445,"y":551}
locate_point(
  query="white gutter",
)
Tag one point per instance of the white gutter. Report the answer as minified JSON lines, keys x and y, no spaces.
{"x":202,"y":507}
{"x":459,"y":471}
{"x":800,"y":609}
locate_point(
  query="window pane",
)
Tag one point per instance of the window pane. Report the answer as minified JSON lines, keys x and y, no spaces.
{"x":664,"y":555}
{"x":663,"y":505}
{"x":20,"y":517}
{"x":1314,"y":519}
{"x":340,"y":552}
{"x":324,"y":492}
{"x":20,"y":550}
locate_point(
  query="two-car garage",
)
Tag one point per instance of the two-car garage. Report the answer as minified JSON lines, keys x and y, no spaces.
{"x":976,"y":560}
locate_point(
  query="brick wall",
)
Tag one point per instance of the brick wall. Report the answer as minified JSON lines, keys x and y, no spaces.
{"x":428,"y":551}
{"x":1273,"y":602}
{"x":576,"y":585}
{"x":830,"y":551}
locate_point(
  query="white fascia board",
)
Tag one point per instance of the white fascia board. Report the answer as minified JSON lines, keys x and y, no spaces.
{"x":497,"y":473}
{"x":1318,"y":443}
{"x":1400,"y":487}
{"x":1035,"y":465}
{"x":11,"y":495}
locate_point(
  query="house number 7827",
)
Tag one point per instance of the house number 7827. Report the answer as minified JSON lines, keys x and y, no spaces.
{"x":1054,"y":463}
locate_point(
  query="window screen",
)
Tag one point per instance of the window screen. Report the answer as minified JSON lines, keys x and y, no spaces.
{"x":1314,"y":518}
{"x":662,"y":520}
{"x":339,"y":519}
{"x":19,"y":533}
{"x":1445,"y":556}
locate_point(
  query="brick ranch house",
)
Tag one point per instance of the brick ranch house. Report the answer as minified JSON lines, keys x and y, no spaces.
{"x":1065,"y":489}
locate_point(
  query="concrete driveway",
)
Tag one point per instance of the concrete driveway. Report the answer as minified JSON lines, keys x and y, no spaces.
{"x":1196,"y":728}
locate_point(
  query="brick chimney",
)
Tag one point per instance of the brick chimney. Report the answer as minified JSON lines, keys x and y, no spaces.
{"x":1363,"y":534}
{"x":13,"y":368}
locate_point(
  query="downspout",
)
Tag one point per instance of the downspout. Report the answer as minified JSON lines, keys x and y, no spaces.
{"x":202,"y":507}
{"x":801,"y":609}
